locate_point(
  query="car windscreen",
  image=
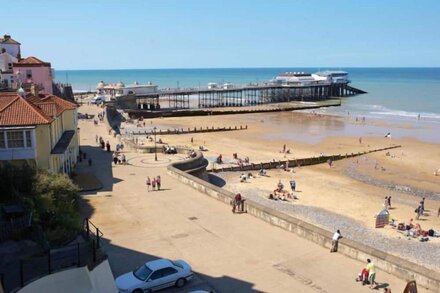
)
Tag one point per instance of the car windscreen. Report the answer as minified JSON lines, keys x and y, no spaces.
{"x":176,"y":263}
{"x":142,"y":273}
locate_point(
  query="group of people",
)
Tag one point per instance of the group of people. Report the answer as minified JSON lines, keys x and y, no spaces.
{"x":166,"y":149}
{"x":153,"y":184}
{"x":368,"y":274}
{"x":119,"y":159}
{"x":100,"y":141}
{"x":280,"y":194}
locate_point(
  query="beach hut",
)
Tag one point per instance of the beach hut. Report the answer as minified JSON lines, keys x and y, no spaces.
{"x":382,"y":218}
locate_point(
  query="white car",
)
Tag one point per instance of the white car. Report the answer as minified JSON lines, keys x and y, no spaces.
{"x":155,"y":275}
{"x":97,"y":100}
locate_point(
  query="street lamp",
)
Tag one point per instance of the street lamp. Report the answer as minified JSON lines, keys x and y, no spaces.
{"x":155,"y":149}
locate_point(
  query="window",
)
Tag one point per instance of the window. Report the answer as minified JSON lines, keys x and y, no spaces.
{"x":10,"y":66}
{"x":156,"y":275}
{"x":168,"y":271}
{"x":28,"y":139}
{"x":142,"y":273}
{"x":28,"y":73}
{"x":15,"y":139}
{"x":2,"y":140}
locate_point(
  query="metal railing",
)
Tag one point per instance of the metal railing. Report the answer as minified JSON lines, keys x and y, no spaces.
{"x":23,"y":271}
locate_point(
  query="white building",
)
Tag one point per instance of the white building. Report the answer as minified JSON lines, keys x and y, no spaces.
{"x":11,"y":46}
{"x":120,"y":89}
{"x":300,"y":79}
{"x":6,"y":66}
{"x":334,"y":76}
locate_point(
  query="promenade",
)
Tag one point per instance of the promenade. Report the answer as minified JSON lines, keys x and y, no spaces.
{"x":229,"y":252}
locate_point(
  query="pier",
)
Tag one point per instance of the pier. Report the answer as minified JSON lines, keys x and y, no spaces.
{"x":242,"y":96}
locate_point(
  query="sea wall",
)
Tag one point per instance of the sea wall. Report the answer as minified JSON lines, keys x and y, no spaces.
{"x":397,"y":266}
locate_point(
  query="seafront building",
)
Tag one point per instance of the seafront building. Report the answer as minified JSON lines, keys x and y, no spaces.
{"x":40,"y":130}
{"x":17,"y":72}
{"x":33,"y":71}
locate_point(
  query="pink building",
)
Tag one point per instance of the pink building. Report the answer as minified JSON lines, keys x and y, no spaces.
{"x":32,"y":70}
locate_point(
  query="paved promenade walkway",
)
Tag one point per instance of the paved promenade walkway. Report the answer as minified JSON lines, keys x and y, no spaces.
{"x":229,"y":252}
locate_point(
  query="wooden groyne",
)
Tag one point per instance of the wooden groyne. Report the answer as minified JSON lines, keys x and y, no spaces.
{"x":188,"y":130}
{"x":296,"y":162}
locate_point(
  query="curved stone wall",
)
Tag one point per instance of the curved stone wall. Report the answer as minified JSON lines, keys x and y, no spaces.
{"x":399,"y":267}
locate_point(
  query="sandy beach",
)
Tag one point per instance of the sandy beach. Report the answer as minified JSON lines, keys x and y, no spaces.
{"x":349,"y":193}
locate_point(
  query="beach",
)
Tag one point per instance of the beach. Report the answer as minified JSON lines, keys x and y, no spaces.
{"x":345,"y":196}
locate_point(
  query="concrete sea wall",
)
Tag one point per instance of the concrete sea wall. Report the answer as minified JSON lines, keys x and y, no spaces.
{"x":397,"y":266}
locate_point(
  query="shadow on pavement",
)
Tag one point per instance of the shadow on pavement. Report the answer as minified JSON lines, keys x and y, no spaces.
{"x":101,"y":167}
{"x":123,"y":260}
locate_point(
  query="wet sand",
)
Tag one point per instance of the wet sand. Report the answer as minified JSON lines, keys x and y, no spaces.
{"x":329,"y":189}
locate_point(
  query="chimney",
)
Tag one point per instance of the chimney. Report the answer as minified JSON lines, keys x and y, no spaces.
{"x":6,"y":37}
{"x":34,"y":90}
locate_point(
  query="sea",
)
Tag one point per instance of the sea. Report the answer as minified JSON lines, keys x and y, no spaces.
{"x":401,"y":95}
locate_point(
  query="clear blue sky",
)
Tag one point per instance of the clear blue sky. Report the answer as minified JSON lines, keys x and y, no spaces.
{"x":98,"y":34}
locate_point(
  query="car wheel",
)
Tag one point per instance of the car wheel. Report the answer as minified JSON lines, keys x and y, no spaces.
{"x":138,"y":291}
{"x":180,"y":283}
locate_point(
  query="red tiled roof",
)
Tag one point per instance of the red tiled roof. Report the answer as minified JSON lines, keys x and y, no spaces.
{"x":31,"y":61}
{"x":17,"y":111}
{"x":60,"y":104}
{"x":9,"y":41}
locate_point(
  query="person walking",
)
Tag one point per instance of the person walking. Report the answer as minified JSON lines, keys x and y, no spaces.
{"x":108,"y":146}
{"x":371,"y":268}
{"x":419,"y":211}
{"x":422,"y":204}
{"x":148,"y":182}
{"x":158,"y":182}
{"x":335,"y":240}
{"x":292,"y":184}
{"x":153,"y":184}
{"x":385,"y":204}
{"x":389,"y":202}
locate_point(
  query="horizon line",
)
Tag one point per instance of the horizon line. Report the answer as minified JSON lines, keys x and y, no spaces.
{"x":257,"y":67}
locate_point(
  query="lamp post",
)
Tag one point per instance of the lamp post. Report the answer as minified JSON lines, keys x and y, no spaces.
{"x":155,"y":149}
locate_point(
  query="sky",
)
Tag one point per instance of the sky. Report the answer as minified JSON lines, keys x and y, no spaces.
{"x":128,"y":34}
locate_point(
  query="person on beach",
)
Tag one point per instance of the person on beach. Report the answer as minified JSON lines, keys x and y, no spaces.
{"x":153,"y":184}
{"x":330,"y":162}
{"x":418,"y":211}
{"x":123,"y":159}
{"x":148,"y":182}
{"x":422,"y":203}
{"x":107,"y":145}
{"x":280,"y":186}
{"x":292,"y":184}
{"x":335,"y":240}
{"x":360,"y":140}
{"x":389,"y":202}
{"x":158,"y":182}
{"x":97,"y":139}
{"x":371,"y":268}
{"x":192,"y":139}
{"x":385,"y":204}
{"x":115,"y":158}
